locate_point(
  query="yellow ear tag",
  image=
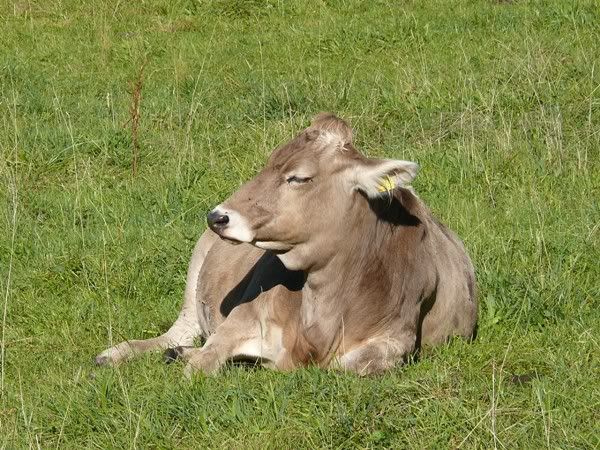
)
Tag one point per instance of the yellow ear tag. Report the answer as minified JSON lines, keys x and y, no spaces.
{"x":386,"y":184}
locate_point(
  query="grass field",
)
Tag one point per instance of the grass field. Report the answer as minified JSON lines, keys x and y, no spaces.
{"x":498,"y":101}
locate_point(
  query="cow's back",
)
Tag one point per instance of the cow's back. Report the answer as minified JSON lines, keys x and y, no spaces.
{"x":452,"y":311}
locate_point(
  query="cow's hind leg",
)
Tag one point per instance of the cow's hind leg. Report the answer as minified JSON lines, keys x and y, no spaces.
{"x":185,"y":329}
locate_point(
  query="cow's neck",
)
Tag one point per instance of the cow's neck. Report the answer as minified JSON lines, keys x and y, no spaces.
{"x":335,"y":286}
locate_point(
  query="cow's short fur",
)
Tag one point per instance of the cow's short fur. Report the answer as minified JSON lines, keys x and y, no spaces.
{"x":338,"y":263}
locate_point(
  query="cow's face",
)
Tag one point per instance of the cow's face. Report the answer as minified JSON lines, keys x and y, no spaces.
{"x":304,"y":195}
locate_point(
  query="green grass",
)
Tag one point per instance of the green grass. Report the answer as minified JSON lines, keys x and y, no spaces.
{"x":498,"y":101}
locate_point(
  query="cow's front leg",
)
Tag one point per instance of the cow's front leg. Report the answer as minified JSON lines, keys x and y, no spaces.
{"x":218,"y":349}
{"x":207,"y":360}
{"x":241,"y":335}
{"x":378,"y":354}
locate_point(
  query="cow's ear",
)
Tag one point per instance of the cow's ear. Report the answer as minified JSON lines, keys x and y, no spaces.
{"x":377,"y":177}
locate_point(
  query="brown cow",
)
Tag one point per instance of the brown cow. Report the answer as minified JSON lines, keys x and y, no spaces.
{"x":339,"y":264}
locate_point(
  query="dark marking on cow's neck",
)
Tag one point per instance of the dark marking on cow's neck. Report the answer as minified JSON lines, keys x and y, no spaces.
{"x":375,"y":277}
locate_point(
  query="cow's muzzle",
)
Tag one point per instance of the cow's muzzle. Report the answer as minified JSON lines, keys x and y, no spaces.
{"x":217,"y":221}
{"x":230,"y":225}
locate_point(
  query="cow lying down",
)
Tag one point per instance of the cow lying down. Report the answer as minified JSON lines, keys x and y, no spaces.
{"x":338,"y":264}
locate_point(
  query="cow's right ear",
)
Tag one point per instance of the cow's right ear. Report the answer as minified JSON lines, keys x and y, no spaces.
{"x":377,"y":177}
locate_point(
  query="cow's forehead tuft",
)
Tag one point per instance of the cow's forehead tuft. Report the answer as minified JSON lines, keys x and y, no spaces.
{"x":302,"y":146}
{"x":312,"y":144}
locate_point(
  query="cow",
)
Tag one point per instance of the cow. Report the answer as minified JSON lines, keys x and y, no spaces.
{"x":325,"y":258}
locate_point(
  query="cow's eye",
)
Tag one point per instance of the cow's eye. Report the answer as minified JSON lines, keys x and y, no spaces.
{"x":297,"y":180}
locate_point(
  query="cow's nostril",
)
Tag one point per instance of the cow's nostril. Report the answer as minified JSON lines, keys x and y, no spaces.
{"x":217,"y":220}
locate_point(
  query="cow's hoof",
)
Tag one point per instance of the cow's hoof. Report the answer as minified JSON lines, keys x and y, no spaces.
{"x":172,"y":354}
{"x":102,"y":360}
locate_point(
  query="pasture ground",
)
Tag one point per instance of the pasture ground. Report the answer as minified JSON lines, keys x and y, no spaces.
{"x":499,"y":101}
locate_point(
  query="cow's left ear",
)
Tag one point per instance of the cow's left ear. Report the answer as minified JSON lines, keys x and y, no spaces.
{"x":377,"y":177}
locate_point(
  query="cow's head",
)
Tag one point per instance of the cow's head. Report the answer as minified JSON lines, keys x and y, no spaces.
{"x":300,"y":204}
